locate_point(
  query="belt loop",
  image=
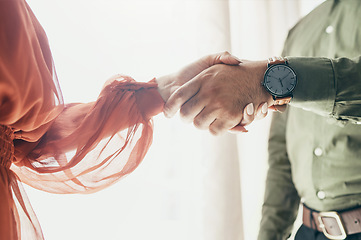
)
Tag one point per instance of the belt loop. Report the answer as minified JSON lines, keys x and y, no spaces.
{"x":312,"y":220}
{"x":313,"y":223}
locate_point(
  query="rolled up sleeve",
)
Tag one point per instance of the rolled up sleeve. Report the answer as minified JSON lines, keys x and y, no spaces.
{"x":328,"y":87}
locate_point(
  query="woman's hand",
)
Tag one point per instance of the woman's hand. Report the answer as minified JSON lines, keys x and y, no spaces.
{"x":249,"y":115}
{"x":169,"y":83}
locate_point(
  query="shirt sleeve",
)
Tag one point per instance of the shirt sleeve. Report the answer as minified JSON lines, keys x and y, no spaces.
{"x":30,"y":97}
{"x":67,"y":148}
{"x":90,"y":146}
{"x":281,"y":200}
{"x":329,"y":87}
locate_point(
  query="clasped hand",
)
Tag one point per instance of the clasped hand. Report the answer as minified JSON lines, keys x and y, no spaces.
{"x":218,"y":93}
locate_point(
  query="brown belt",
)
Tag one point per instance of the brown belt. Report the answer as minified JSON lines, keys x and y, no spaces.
{"x":335,"y":225}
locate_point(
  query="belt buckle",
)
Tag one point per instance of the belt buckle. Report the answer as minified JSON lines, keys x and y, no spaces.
{"x":335,"y":216}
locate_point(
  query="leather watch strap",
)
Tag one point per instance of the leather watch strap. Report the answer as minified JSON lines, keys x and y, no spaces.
{"x":282,"y":101}
{"x":276,"y":60}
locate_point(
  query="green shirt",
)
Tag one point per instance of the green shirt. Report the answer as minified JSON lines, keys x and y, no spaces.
{"x":315,"y":146}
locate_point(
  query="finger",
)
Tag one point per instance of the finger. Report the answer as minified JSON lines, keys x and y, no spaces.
{"x":272,"y":108}
{"x":205,"y":118}
{"x":248,"y":115}
{"x":278,"y":108}
{"x":220,"y":126}
{"x":180,"y":96}
{"x":238,"y":129}
{"x":262,"y":111}
{"x":192,"y":108}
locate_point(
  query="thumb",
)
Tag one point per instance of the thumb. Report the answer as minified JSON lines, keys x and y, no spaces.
{"x":229,"y":59}
{"x":219,"y":58}
{"x":181,"y":95}
{"x":278,"y":108}
{"x":237,"y":129}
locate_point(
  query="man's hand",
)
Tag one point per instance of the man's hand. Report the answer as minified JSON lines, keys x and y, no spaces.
{"x":216,"y":98}
{"x":170,"y":83}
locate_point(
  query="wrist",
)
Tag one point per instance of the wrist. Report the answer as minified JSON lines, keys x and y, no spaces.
{"x":265,"y":96}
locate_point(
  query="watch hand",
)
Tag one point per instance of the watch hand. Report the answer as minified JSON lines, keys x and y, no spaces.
{"x":286,"y":75}
{"x":273,"y":77}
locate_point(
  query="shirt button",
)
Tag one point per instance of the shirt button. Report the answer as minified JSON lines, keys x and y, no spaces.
{"x":329,"y":29}
{"x":318,"y":152}
{"x":321,"y":195}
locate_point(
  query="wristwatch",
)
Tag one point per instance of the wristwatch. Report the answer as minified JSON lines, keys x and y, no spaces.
{"x":279,"y":80}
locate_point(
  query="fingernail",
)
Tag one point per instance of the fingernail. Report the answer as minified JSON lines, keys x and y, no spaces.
{"x":264,"y":108}
{"x":250,"y":109}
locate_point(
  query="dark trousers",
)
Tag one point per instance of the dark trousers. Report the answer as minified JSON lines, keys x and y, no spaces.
{"x":306,"y":233}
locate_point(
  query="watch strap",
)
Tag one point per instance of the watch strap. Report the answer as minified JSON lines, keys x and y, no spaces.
{"x":282,"y":101}
{"x":276,"y":60}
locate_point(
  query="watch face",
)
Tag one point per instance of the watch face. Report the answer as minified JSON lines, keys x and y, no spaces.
{"x":280,"y":80}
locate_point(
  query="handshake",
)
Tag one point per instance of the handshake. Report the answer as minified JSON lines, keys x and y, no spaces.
{"x":218,"y":92}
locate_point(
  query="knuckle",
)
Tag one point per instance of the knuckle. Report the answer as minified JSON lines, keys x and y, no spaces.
{"x":213,"y":132}
{"x":178,"y":94}
{"x":184,"y":111}
{"x":216,"y":129}
{"x":168,"y":109}
{"x":193,"y":102}
{"x":203,"y":120}
{"x":198,"y":123}
{"x":167,"y":112}
{"x":176,"y":102}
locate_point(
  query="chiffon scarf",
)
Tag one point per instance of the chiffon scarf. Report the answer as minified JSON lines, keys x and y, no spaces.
{"x":57,"y":147}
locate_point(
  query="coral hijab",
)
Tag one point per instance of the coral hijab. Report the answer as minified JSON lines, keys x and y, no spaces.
{"x":57,"y":147}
